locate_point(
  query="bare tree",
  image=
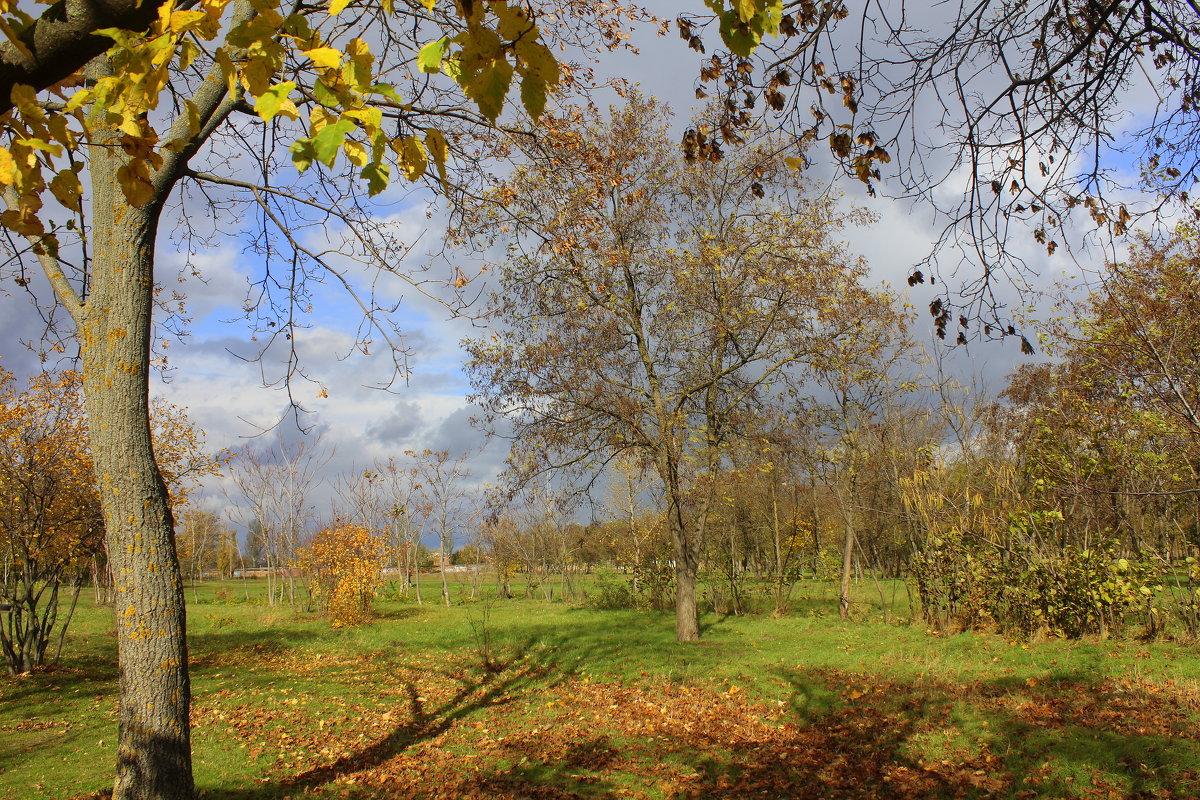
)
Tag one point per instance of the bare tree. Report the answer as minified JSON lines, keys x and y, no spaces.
{"x":276,"y":482}
{"x":384,"y":498}
{"x":444,"y":494}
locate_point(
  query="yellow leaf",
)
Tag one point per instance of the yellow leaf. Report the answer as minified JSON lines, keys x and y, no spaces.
{"x":78,"y":100}
{"x":187,"y":53}
{"x":357,"y":70}
{"x":275,"y":101}
{"x":59,"y":131}
{"x":182,"y":21}
{"x":193,"y":113}
{"x":135,"y":183}
{"x":257,"y":75}
{"x":8,"y":167}
{"x":228,"y":70}
{"x":25,"y":99}
{"x":337,"y":6}
{"x":325,"y":57}
{"x":355,"y":152}
{"x":413,"y":157}
{"x":539,"y":61}
{"x":318,"y":118}
{"x":66,"y":188}
{"x":371,"y":118}
{"x":533,"y":96}
{"x":435,"y":143}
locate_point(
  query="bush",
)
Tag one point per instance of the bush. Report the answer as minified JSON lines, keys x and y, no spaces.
{"x":650,"y":588}
{"x":344,"y":567}
{"x":1070,"y":592}
{"x":613,"y":596}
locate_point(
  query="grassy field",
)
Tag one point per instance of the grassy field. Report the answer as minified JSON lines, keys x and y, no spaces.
{"x":534,"y":699}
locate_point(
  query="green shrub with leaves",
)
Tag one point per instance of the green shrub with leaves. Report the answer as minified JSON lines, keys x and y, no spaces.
{"x":1067,"y":591}
{"x":954,"y":582}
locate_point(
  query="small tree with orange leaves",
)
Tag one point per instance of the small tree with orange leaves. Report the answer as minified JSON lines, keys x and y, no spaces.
{"x":344,"y":567}
{"x":50,"y":520}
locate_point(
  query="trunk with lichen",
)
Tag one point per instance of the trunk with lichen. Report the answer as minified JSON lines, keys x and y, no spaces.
{"x":154,"y":753}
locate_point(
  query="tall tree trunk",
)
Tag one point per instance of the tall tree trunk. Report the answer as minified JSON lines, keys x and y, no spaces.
{"x":687,"y":565}
{"x":154,"y":752}
{"x":687,"y":619}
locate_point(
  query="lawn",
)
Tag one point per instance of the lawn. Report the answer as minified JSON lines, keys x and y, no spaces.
{"x":532,"y":699}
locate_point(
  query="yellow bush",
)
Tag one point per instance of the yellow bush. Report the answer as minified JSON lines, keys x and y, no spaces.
{"x":344,"y":567}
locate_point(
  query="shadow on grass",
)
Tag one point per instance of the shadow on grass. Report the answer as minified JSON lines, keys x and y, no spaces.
{"x":208,"y":645}
{"x":848,"y":736}
{"x":1067,"y":737}
{"x":48,"y":684}
{"x":527,"y":669}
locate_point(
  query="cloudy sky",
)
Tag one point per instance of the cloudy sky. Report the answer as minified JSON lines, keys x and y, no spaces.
{"x":215,"y":375}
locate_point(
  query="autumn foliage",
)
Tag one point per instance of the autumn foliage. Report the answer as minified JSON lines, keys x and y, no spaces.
{"x":50,"y":522}
{"x":344,"y":566}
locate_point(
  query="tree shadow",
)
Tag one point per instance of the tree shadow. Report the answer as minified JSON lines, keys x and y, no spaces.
{"x":1064,"y":739}
{"x":843,"y":734}
{"x":47,"y":683}
{"x":529,"y":667}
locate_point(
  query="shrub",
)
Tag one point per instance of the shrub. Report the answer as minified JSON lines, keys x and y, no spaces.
{"x":344,"y":567}
{"x":1068,"y":592}
{"x":613,"y":596}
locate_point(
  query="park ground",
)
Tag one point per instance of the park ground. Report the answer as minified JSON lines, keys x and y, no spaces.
{"x":527,"y":698}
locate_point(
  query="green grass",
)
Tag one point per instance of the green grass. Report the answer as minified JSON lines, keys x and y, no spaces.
{"x":762,"y":707}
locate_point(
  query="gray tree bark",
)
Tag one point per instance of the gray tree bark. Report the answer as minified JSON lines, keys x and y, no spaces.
{"x":154,"y":747}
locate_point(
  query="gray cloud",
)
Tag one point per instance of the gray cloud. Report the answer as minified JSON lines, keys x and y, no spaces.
{"x":396,"y":428}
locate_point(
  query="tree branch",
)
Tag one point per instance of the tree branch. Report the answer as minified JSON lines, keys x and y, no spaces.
{"x":60,"y":42}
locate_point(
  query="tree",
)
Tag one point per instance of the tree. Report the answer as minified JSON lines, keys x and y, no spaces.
{"x":205,"y":544}
{"x":276,"y":481}
{"x":443,"y":498}
{"x":50,"y":523}
{"x":1110,"y":431}
{"x":468,"y":555}
{"x":1140,"y":332}
{"x":633,"y":544}
{"x":51,"y":528}
{"x":255,"y":547}
{"x":383,"y":498}
{"x":862,"y":377}
{"x":648,"y":305}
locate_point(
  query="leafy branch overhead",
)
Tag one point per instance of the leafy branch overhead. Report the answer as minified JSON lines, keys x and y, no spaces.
{"x":280,"y":66}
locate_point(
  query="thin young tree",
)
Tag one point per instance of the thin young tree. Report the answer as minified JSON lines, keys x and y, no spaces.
{"x":276,"y":482}
{"x":443,"y":491}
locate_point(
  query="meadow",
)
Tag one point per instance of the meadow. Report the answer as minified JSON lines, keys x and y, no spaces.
{"x":526,"y":698}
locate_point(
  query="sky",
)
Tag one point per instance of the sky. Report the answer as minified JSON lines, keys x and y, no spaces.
{"x":213,"y":372}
